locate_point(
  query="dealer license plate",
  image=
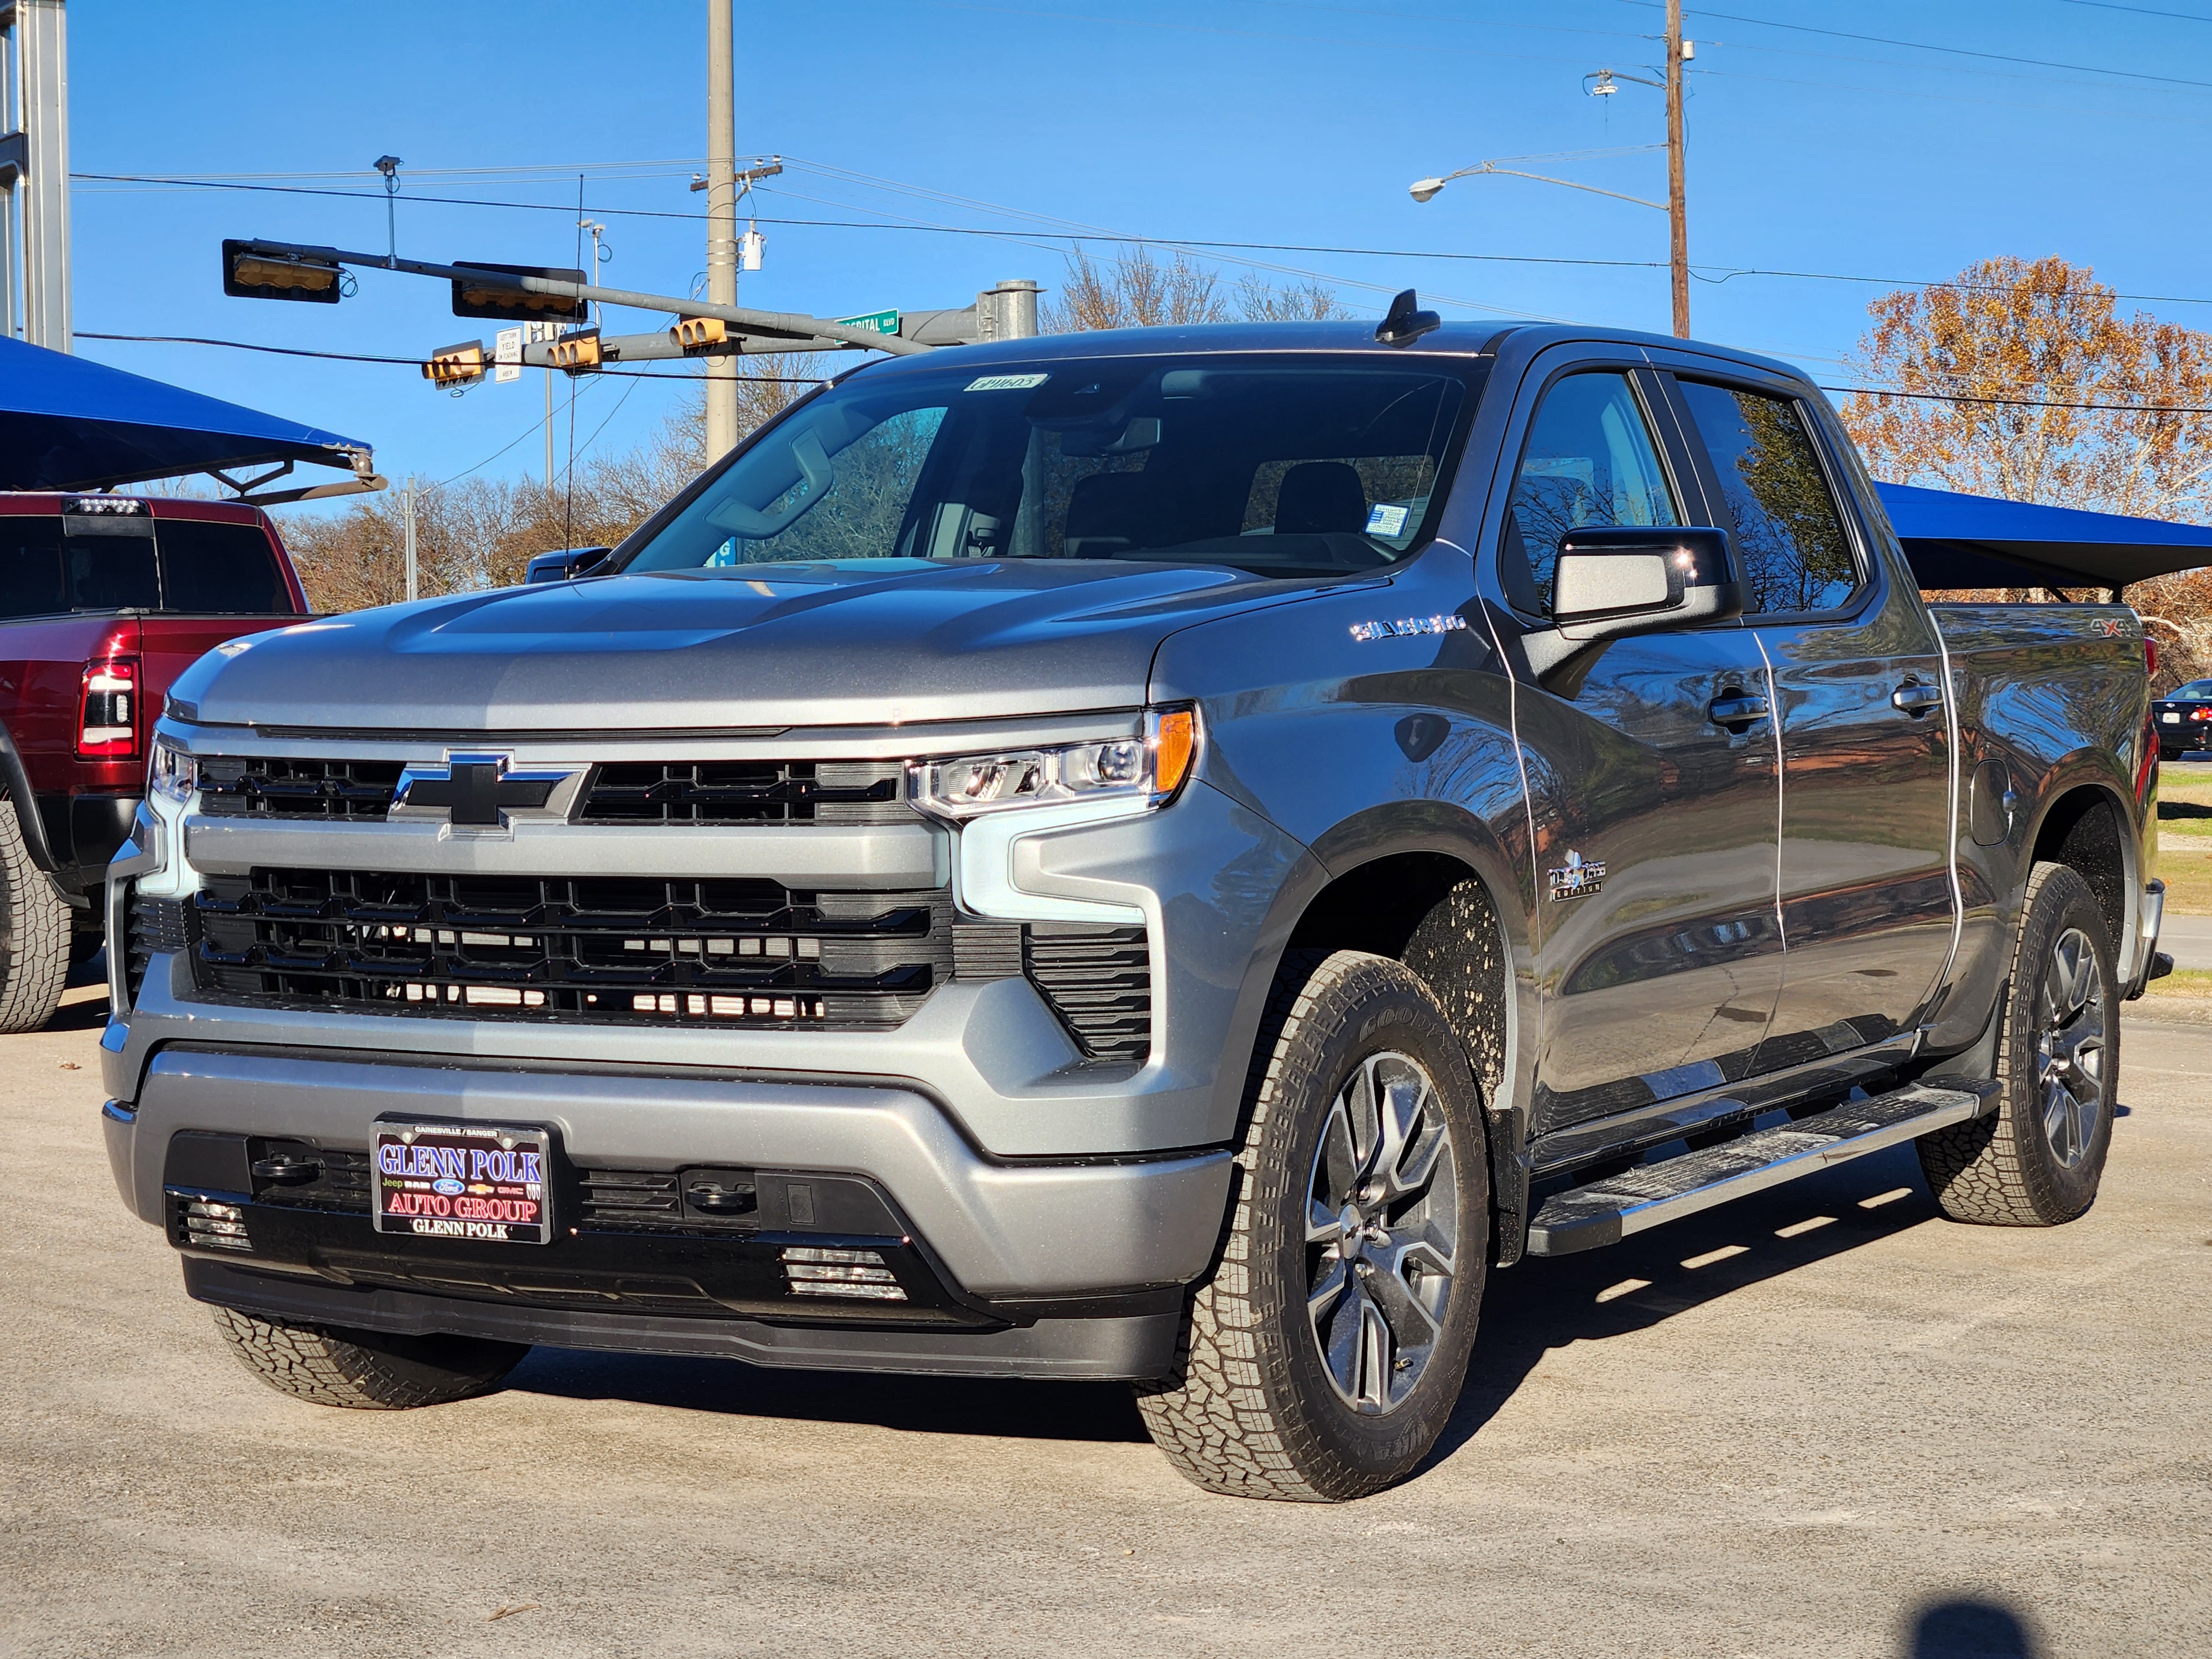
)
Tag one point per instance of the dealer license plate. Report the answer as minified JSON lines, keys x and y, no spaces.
{"x":478,"y":1183}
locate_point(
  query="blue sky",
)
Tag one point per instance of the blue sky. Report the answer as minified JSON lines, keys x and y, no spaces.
{"x":1228,"y":120}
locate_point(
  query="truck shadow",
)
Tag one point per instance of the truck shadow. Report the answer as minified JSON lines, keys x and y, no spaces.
{"x":1546,"y":1303}
{"x":1530,"y":1310}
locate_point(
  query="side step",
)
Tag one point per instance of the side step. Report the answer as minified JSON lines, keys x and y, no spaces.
{"x":1605,"y":1212}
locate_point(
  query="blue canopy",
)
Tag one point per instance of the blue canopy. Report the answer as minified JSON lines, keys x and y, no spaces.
{"x":68,"y":424}
{"x":1952,"y":540}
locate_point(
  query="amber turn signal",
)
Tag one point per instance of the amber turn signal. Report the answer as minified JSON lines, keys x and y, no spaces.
{"x":1174,"y":739}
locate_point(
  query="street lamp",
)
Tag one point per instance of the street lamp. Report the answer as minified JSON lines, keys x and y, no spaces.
{"x":1426,"y":190}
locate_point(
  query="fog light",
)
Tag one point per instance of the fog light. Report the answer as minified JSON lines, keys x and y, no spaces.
{"x":816,"y":1270}
{"x":221,"y":1227}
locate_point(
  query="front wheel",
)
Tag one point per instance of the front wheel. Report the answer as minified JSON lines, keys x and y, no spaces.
{"x":366,"y":1371}
{"x":1323,"y":1356}
{"x":2037,"y":1160}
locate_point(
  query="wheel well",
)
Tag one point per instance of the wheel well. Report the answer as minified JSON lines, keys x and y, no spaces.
{"x":2082,"y":831}
{"x":1433,"y":913}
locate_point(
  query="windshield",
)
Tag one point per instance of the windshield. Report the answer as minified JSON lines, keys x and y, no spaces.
{"x":1283,"y":466}
{"x":2195,"y":691}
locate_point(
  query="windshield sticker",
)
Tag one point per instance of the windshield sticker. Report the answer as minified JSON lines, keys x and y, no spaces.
{"x":1006,"y":382}
{"x":1386,"y":518}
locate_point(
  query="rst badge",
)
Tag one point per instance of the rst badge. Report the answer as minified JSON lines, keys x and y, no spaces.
{"x":1407,"y":627}
{"x":474,"y":1182}
{"x":1578,"y":878}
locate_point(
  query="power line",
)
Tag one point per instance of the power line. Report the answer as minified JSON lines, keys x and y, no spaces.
{"x":2021,"y":402}
{"x":2145,"y":11}
{"x":1955,"y":52}
{"x":247,"y":345}
{"x":1723,"y":273}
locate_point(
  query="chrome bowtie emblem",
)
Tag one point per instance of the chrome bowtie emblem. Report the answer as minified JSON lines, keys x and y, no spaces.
{"x":1578,"y":878}
{"x":473,"y":792}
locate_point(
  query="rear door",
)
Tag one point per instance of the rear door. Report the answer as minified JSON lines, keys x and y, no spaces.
{"x":1652,"y":783}
{"x":1866,"y":888}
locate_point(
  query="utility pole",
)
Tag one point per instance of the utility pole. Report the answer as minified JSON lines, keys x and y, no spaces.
{"x":34,"y":172}
{"x":721,"y":222}
{"x":412,"y":585}
{"x":1678,"y":213}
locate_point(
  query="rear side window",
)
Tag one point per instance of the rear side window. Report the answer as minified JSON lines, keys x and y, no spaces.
{"x":31,"y":567}
{"x":1589,"y":460}
{"x":228,"y":568}
{"x":1789,"y":542}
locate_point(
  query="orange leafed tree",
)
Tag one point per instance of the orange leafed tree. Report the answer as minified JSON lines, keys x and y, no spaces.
{"x":2034,"y":387}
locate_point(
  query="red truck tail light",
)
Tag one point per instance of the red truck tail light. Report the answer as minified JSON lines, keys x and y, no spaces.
{"x":2150,"y":657}
{"x":108,"y":729}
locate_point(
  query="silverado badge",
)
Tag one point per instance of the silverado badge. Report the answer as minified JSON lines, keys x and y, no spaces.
{"x":1577,"y":879}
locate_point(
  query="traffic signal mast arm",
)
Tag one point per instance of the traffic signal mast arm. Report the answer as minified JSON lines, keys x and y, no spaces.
{"x":790,"y":325}
{"x":950,"y":326}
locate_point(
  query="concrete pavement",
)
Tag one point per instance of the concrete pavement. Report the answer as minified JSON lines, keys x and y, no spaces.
{"x":1824,"y":1421}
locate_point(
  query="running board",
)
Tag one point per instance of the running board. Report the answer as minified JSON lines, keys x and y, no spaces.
{"x":1605,"y":1212}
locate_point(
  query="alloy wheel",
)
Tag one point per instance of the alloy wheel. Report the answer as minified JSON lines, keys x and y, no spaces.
{"x":2070,"y":1046}
{"x":1381,"y":1231}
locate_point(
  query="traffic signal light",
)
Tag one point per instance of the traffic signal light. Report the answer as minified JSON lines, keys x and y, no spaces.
{"x":509,"y":305}
{"x":456,"y":365}
{"x":257,"y":270}
{"x":693,"y":332}
{"x":578,"y":353}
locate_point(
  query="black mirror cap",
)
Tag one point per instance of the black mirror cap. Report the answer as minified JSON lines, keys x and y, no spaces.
{"x":564,"y":564}
{"x":1668,"y":578}
{"x":1406,"y":322}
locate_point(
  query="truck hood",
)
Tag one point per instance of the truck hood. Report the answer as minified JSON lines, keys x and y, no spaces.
{"x":861,"y":642}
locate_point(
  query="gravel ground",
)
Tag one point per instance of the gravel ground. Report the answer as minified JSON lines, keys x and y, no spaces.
{"x":1824,"y":1421}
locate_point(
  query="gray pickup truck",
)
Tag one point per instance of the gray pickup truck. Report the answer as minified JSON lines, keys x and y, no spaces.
{"x":1163,"y":856}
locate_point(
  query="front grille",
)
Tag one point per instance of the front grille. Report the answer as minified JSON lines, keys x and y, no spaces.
{"x":154,"y":925}
{"x":728,"y":953}
{"x":715,"y":793}
{"x":274,"y":787}
{"x":739,"y":793}
{"x":1099,"y":982}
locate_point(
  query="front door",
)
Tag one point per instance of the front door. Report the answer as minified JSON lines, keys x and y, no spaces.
{"x":1652,"y":782}
{"x":1866,"y":901}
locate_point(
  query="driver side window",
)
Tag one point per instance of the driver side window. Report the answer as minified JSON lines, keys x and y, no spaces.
{"x":1589,"y":459}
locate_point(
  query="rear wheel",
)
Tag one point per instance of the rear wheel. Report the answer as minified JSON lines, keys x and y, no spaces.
{"x":34,"y":934}
{"x":2037,"y":1160}
{"x":1323,"y":1357}
{"x":366,"y":1371}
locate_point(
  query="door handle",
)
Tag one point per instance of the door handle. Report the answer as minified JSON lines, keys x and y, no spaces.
{"x":1916,"y":700}
{"x":1736,"y":711}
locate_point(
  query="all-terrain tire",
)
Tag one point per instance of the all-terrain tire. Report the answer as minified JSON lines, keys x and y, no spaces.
{"x":34,"y":934}
{"x":2003,"y":1170}
{"x":1250,"y":1409}
{"x":366,"y":1371}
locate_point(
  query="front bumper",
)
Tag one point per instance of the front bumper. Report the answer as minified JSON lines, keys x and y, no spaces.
{"x":1011,"y":1238}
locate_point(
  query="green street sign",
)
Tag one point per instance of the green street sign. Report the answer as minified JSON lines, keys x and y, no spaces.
{"x":876,"y":322}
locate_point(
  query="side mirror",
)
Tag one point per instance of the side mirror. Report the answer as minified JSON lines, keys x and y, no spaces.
{"x":563,"y":564}
{"x":1611,"y":581}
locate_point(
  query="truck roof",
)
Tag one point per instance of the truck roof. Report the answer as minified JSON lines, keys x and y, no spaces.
{"x":1353,"y":336}
{"x":17,"y":502}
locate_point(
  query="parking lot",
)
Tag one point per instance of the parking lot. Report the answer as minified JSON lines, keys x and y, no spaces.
{"x":1824,"y":1421}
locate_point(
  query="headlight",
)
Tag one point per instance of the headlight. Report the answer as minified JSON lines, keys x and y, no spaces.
{"x":1150,"y":770}
{"x":174,"y":774}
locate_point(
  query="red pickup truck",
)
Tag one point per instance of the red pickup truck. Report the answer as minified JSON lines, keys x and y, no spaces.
{"x":104,"y":600}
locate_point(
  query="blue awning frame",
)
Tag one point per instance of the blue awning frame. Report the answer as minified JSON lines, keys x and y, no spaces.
{"x":69,"y":424}
{"x":1953,"y":540}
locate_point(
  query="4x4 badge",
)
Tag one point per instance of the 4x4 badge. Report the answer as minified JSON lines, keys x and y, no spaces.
{"x":1577,"y":879}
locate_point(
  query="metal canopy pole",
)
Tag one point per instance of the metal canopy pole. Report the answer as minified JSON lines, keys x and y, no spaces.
{"x":41,"y":53}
